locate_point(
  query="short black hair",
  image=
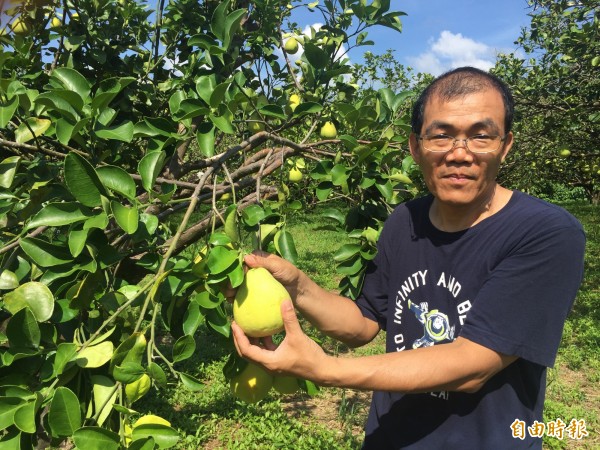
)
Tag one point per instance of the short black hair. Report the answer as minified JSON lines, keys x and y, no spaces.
{"x":458,"y":83}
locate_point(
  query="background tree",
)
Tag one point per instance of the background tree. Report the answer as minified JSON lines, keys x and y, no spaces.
{"x":142,"y":153}
{"x":556,"y":89}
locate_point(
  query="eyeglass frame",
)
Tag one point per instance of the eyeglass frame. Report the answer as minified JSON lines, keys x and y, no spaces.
{"x":466,"y":141}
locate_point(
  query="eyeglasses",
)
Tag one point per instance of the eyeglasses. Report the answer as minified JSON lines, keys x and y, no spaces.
{"x":480,"y":143}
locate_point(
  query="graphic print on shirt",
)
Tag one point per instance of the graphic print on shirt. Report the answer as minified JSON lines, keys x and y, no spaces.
{"x":435,"y":317}
{"x":436,"y":325}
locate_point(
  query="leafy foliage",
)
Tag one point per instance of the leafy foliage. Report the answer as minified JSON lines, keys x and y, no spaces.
{"x":556,"y":90}
{"x":128,"y":135}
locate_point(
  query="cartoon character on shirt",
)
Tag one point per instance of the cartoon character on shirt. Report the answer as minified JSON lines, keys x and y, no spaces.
{"x":436,"y":325}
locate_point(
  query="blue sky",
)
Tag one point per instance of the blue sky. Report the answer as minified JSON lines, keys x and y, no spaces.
{"x":442,"y":34}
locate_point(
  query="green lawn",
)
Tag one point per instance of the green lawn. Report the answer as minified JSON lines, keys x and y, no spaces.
{"x":333,"y":419}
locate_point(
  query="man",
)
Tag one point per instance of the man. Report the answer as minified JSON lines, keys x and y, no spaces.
{"x":472,"y":285}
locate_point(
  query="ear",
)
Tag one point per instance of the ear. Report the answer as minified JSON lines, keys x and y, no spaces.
{"x":413,"y":145}
{"x":508,"y":143}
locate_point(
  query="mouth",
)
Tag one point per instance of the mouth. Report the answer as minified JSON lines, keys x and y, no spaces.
{"x":458,"y":176}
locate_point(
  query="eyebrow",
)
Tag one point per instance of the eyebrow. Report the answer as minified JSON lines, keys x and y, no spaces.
{"x":488,"y":124}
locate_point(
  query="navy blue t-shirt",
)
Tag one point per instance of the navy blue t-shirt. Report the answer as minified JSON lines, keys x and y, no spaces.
{"x":506,"y":283}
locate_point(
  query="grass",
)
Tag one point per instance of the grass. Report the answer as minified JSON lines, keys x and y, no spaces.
{"x":333,"y":419}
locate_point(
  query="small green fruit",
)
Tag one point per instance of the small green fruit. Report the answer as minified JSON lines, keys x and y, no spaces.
{"x":328,"y":131}
{"x":295,"y":175}
{"x":565,"y":153}
{"x":294,"y":101}
{"x":251,"y":384}
{"x":20,"y":27}
{"x":286,"y":384}
{"x":56,"y":22}
{"x":255,"y":125}
{"x":291,"y":46}
{"x":257,"y":303}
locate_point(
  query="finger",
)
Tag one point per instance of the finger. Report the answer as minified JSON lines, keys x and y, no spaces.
{"x":268,"y":343}
{"x":290,"y":320}
{"x":240,"y":340}
{"x":257,"y":258}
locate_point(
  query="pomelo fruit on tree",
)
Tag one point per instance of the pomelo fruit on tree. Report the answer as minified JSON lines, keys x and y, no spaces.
{"x":257,"y":303}
{"x":285,"y":384}
{"x":328,"y":131}
{"x":251,"y":384}
{"x":295,"y":175}
{"x":291,"y":45}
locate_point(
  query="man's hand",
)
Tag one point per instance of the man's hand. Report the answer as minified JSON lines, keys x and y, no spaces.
{"x":297,"y":355}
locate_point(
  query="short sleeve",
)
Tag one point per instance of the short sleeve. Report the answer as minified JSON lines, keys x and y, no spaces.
{"x":522,"y":306}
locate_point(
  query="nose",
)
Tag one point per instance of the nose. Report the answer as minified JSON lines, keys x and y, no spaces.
{"x":460,"y":152}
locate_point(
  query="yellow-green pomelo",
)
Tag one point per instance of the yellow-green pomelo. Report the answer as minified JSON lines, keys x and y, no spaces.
{"x":286,"y":384}
{"x":295,"y":175}
{"x":251,"y":384}
{"x":20,"y":27}
{"x":328,"y":131}
{"x":291,"y":45}
{"x":257,"y":303}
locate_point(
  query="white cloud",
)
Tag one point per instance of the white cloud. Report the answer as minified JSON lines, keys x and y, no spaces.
{"x":453,"y":50}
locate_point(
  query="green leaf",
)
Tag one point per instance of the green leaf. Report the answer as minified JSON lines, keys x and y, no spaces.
{"x":220,"y":259}
{"x":164,"y":436}
{"x":273,"y":111}
{"x":224,"y":122}
{"x":8,"y":280}
{"x":34,"y":295}
{"x":72,"y":80}
{"x":105,"y":396}
{"x":66,"y":129}
{"x":25,"y":416}
{"x":316,"y":56}
{"x":128,"y":372}
{"x":142,"y":444}
{"x":217,"y":320}
{"x":217,"y":96}
{"x":65,"y":352}
{"x":117,"y":180}
{"x":8,"y":407}
{"x":252,"y":215}
{"x":157,"y":374}
{"x":95,"y":355}
{"x":131,"y":349}
{"x":108,"y":90}
{"x":192,"y":318}
{"x":346,"y":252}
{"x":205,"y":85}
{"x":77,"y":241}
{"x":193,"y":384}
{"x":8,"y":169}
{"x":67,"y":103}
{"x":184,"y":348}
{"x":59,"y":214}
{"x":335,"y":214}
{"x":96,"y":438}
{"x":127,"y":217}
{"x":43,"y":253}
{"x":64,"y":416}
{"x":284,"y":243}
{"x":122,"y":132}
{"x":149,"y":167}
{"x":7,"y":111}
{"x":324,"y":189}
{"x":31,"y":128}
{"x":82,"y":180}
{"x":218,"y":22}
{"x":307,"y":108}
{"x":23,"y":331}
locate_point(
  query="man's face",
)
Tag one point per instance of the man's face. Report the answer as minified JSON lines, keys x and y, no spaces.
{"x":461,"y":178}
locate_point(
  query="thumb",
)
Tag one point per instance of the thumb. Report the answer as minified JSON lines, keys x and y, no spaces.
{"x":257,"y":258}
